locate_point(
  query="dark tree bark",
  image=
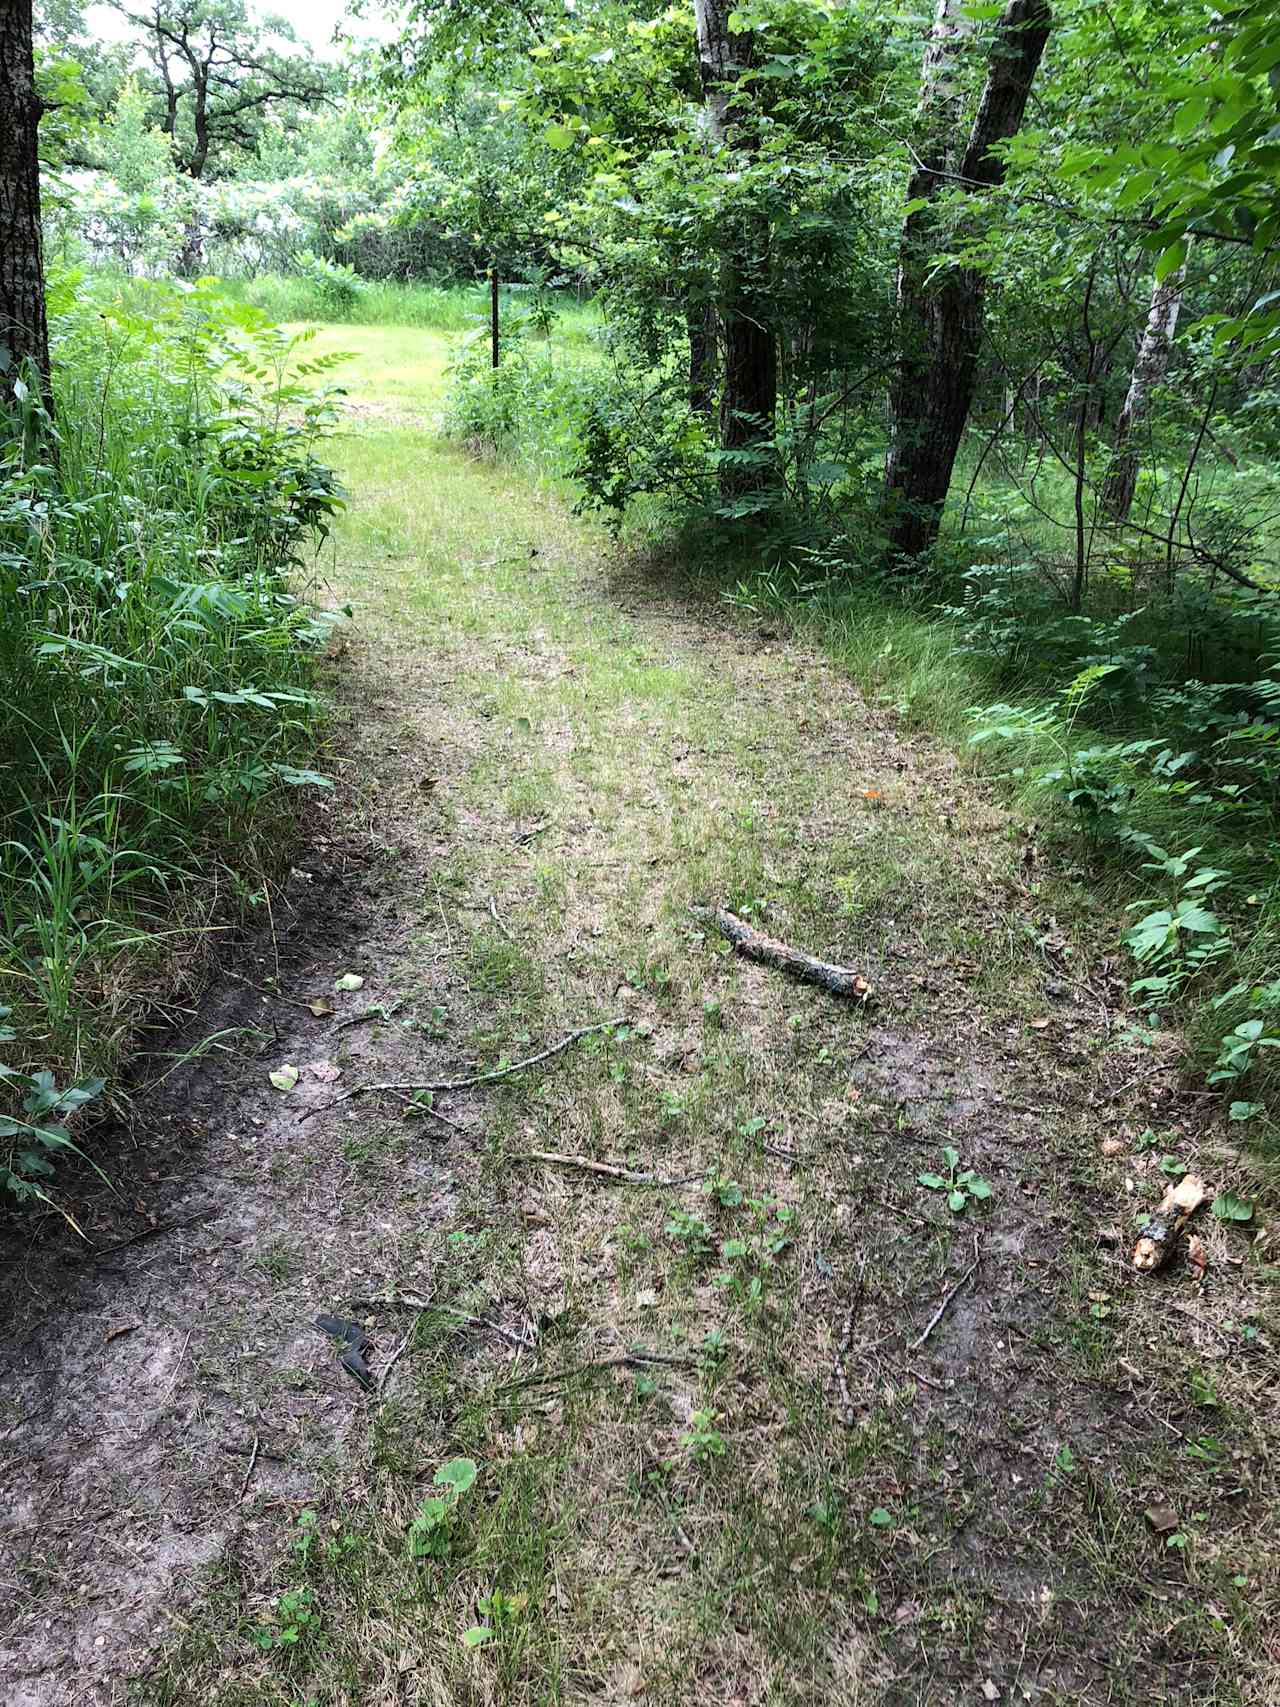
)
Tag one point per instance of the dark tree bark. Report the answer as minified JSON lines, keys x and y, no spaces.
{"x":749,"y":392}
{"x":700,"y":321}
{"x":24,"y":329}
{"x":940,"y":318}
{"x":1155,"y":348}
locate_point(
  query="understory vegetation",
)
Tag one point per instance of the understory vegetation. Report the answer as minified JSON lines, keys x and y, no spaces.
{"x":156,"y":670}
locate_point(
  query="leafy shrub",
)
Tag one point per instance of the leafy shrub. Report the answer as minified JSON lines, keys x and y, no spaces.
{"x":338,"y":288}
{"x":155,"y":670}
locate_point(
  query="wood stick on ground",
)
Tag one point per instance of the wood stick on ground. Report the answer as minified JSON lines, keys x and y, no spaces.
{"x":431,"y":1113}
{"x":99,"y":1251}
{"x":636,"y":1358}
{"x":467,"y":1084}
{"x":375,"y":1010}
{"x":942,"y":1309}
{"x":847,"y":1411}
{"x":610,"y":1170}
{"x":253,"y":1464}
{"x":397,"y":1354}
{"x":754,"y":945}
{"x":411,"y":1301}
{"x":493,"y":912}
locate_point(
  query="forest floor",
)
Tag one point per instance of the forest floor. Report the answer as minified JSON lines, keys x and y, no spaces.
{"x":766,"y":1422}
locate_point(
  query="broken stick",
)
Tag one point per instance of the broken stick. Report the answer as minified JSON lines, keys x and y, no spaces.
{"x":466,"y":1084}
{"x":610,"y":1170}
{"x":754,"y":945}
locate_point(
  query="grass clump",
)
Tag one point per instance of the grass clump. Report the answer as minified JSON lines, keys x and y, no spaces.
{"x":155,"y":669}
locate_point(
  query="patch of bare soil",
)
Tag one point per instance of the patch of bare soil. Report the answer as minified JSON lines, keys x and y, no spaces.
{"x":165,"y":1392}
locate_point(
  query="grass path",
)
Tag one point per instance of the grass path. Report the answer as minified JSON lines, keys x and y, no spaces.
{"x":812,"y":1487}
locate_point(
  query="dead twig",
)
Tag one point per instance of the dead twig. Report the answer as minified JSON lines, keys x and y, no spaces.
{"x":610,"y":1170}
{"x":253,"y":1464}
{"x":409,"y":1301}
{"x":426,"y":1108}
{"x":847,"y":1411}
{"x":636,"y":1358}
{"x":397,"y":1354}
{"x":147,"y":1233}
{"x":468,"y":1084}
{"x":754,"y":945}
{"x":942,"y":1309}
{"x":375,"y":1010}
{"x":493,"y":913}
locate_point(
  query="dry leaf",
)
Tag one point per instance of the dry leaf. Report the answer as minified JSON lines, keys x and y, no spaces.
{"x":1039,"y":1024}
{"x":1197,"y":1257}
{"x":325,"y":1071}
{"x":1162,"y":1518}
{"x":1113,"y":1146}
{"x":322,"y":1007}
{"x":989,"y":1691}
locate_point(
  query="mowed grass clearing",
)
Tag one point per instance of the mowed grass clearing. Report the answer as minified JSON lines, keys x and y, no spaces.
{"x":766,"y":1422}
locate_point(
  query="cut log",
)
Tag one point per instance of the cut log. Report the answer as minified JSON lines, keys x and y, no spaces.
{"x":754,"y":945}
{"x":1159,"y":1238}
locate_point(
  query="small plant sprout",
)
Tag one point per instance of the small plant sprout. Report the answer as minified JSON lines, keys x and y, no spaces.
{"x":431,"y":1534}
{"x":703,"y":1439}
{"x":959,"y":1185}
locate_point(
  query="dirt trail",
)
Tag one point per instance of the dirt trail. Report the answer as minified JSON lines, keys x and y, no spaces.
{"x":545,"y":757}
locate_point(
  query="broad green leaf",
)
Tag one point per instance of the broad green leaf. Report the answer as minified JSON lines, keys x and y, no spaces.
{"x":1228,"y":1207}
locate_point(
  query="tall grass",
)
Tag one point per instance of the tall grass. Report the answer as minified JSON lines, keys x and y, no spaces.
{"x":155,"y":671}
{"x":432,"y":307}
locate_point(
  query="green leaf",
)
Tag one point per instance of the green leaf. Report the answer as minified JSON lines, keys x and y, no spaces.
{"x":980,"y":1188}
{"x":477,"y":1636}
{"x":935,"y":1182}
{"x":458,"y":1474}
{"x":558,"y":136}
{"x":1246,"y":1110}
{"x":1170,"y":261}
{"x":880,"y":1517}
{"x":956,"y":1201}
{"x":1228,"y":1207}
{"x":284,"y":1078}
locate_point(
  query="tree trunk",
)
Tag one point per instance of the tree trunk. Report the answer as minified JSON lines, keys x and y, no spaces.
{"x":940,"y":318}
{"x":24,"y":331}
{"x":700,"y":320}
{"x":749,"y":393}
{"x":1155,"y":348}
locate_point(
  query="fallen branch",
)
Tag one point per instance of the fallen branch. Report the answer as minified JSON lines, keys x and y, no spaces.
{"x":467,"y":1084}
{"x":253,"y":1464}
{"x":754,"y":945}
{"x":847,"y":1411}
{"x":942,"y":1309}
{"x":637,"y":1358}
{"x":99,"y":1251}
{"x":397,"y":1355}
{"x":610,"y":1170}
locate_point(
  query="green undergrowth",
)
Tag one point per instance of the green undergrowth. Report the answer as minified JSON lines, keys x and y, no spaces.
{"x":1161,"y":785}
{"x":156,"y":671}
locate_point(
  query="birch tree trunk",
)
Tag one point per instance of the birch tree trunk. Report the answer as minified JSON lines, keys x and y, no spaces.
{"x":749,"y":392}
{"x":1155,"y":348}
{"x":24,"y":331}
{"x":941,"y":314}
